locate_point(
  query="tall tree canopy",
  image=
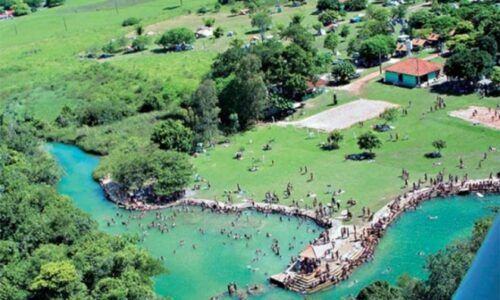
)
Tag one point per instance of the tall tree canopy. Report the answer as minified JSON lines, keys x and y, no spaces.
{"x":176,"y":36}
{"x":48,"y":248}
{"x":173,"y":135}
{"x":204,"y":103}
{"x":469,"y":64}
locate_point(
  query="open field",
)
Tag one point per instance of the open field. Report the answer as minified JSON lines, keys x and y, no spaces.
{"x":343,"y":116}
{"x":46,"y":46}
{"x":373,"y":183}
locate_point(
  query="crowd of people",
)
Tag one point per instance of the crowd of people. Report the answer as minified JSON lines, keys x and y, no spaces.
{"x":318,"y":272}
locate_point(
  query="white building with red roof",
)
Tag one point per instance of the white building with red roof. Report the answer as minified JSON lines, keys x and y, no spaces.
{"x":412,"y":72}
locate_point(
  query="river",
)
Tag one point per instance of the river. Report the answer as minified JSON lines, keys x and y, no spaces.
{"x":204,"y":270}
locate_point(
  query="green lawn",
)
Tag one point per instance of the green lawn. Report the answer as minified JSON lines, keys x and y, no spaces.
{"x":371,"y":183}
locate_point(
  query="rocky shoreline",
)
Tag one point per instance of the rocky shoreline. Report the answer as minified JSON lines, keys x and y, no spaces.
{"x":339,"y":249}
{"x":335,"y":256}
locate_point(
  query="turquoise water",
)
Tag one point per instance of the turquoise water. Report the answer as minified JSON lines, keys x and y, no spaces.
{"x":218,"y":259}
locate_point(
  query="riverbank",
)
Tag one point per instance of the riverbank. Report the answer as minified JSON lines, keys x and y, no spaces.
{"x":338,"y":250}
{"x":403,"y":249}
{"x":334,"y":256}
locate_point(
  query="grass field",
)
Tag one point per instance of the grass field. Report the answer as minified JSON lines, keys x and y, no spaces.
{"x":372,"y":184}
{"x":38,"y":50}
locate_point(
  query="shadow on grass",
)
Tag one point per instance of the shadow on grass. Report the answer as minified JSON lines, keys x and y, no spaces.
{"x":360,"y":156}
{"x":171,"y":7}
{"x":433,"y":155}
{"x":454,"y":88}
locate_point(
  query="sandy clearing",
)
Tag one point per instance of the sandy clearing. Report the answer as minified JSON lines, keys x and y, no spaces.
{"x":343,"y":116}
{"x":489,"y":117}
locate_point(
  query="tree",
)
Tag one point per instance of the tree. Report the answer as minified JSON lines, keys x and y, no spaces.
{"x":177,"y":36}
{"x":54,"y":3}
{"x":419,"y":19}
{"x":495,"y":75}
{"x":344,"y":31}
{"x":172,"y":135}
{"x":323,"y":5}
{"x":7,"y":4}
{"x":487,"y":43}
{"x":206,"y":112}
{"x":299,"y":35}
{"x":131,"y":21}
{"x":110,"y":288}
{"x":369,"y":141}
{"x":389,"y":115}
{"x":57,"y":280}
{"x":442,"y":25}
{"x":332,"y":41}
{"x":34,"y":4}
{"x":328,"y":17}
{"x":439,"y":145}
{"x":377,"y":13}
{"x":262,"y":20}
{"x":469,"y":64}
{"x":333,"y":140}
{"x":252,"y":94}
{"x":380,"y":290}
{"x":140,"y":43}
{"x":167,"y":173}
{"x":173,"y":173}
{"x":375,"y":48}
{"x":343,"y":71}
{"x":317,"y":27}
{"x":21,"y":8}
{"x":355,"y":5}
{"x":399,"y":12}
{"x":209,"y":22}
{"x":218,"y":32}
{"x":66,"y":117}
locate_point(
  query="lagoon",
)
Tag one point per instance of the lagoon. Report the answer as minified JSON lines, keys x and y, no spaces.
{"x":216,"y":260}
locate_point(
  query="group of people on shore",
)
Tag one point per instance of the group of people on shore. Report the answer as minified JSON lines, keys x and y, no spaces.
{"x":370,"y":235}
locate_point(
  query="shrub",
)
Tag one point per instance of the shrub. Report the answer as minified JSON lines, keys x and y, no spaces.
{"x":54,"y":3}
{"x":218,"y":32}
{"x":130,"y":21}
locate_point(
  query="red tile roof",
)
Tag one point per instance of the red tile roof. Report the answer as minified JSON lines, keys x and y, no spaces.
{"x":418,"y":42}
{"x":401,"y":47}
{"x":433,"y":37}
{"x":415,"y":67}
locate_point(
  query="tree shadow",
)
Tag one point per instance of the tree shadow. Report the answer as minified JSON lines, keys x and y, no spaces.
{"x":360,"y":156}
{"x":159,"y":50}
{"x":453,"y":88}
{"x":171,"y":7}
{"x":256,"y":31}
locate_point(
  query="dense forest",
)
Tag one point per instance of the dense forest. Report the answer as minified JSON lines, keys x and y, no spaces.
{"x":48,"y":248}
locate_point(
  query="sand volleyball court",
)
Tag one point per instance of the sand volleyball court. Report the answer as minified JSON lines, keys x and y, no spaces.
{"x":486,"y":116}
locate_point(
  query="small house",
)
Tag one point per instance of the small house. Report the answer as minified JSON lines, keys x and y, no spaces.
{"x":433,"y":39}
{"x":412,"y":72}
{"x":403,"y":48}
{"x":418,"y":43}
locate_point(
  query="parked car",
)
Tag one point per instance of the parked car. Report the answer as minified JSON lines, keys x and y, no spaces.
{"x":356,"y":19}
